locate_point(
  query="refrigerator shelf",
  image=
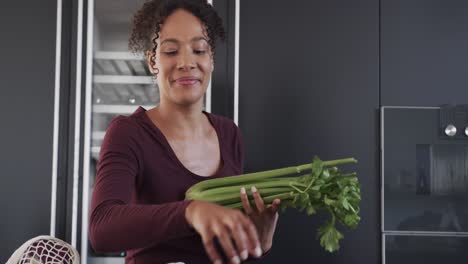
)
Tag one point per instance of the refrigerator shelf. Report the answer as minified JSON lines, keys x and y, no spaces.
{"x":118,"y":55}
{"x":117,"y":109}
{"x":95,"y":152}
{"x":98,"y":135}
{"x":120,"y":63}
{"x":123,"y":79}
{"x":122,"y":94}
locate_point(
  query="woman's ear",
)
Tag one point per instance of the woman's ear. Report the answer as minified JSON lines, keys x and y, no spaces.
{"x":150,"y":62}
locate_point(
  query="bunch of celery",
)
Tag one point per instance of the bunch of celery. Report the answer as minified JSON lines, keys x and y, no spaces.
{"x":315,"y":186}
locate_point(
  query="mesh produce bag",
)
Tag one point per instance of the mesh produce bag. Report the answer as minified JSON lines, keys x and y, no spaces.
{"x":45,"y":250}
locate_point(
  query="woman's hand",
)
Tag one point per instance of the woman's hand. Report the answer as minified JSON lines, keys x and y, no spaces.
{"x":264,"y":217}
{"x":211,"y":220}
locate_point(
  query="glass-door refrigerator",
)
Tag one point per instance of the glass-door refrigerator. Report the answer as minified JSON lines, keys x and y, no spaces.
{"x":112,"y":81}
{"x":117,"y":82}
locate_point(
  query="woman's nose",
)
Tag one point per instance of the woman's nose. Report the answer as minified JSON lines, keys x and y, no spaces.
{"x":186,"y":61}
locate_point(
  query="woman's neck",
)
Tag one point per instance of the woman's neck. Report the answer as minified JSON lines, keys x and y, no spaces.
{"x":182,"y":122}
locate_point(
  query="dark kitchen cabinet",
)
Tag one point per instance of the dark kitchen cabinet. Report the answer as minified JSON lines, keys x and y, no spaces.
{"x":424,"y":185}
{"x":309,"y":85}
{"x":423,"y":51}
{"x":423,"y":65}
{"x":403,"y":249}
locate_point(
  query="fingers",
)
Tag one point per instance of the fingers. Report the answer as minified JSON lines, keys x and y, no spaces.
{"x":259,"y":203}
{"x":241,"y":239}
{"x":245,"y":201}
{"x":235,"y":232}
{"x":226,"y":242}
{"x":258,"y":200}
{"x":208,"y":243}
{"x":275,"y":205}
{"x":252,"y":237}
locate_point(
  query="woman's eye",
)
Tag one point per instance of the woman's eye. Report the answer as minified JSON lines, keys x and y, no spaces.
{"x":200,"y":51}
{"x":170,"y":53}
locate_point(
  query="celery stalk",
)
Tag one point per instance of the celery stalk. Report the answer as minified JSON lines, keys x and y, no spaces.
{"x":256,"y":176}
{"x":323,"y":188}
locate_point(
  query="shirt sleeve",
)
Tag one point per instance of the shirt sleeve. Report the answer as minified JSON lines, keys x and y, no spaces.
{"x":115,"y":223}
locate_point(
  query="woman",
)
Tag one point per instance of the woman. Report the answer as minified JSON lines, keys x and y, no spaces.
{"x":149,"y":159}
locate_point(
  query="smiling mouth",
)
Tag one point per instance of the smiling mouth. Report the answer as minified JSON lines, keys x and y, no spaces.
{"x":186,"y":81}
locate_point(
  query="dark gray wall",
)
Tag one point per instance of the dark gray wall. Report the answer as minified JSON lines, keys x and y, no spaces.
{"x":222,"y":101}
{"x":309,"y":85}
{"x":27,"y":69}
{"x":424,"y":58}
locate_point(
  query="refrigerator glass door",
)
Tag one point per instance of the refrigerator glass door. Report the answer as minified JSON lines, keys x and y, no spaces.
{"x":119,"y":82}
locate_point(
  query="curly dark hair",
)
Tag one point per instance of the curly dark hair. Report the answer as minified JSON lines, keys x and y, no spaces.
{"x":148,"y":20}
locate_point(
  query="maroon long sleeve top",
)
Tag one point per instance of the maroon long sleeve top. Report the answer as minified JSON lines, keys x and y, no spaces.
{"x":138,"y":201}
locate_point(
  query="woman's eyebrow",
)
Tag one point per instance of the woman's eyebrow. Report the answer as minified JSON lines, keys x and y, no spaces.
{"x":173,"y":40}
{"x":170,"y":40}
{"x":195,"y":39}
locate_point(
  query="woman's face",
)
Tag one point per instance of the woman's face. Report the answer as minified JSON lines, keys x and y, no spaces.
{"x":183,"y":59}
